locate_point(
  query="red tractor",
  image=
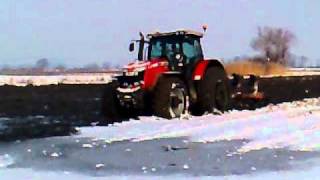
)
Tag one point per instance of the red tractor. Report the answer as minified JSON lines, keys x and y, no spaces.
{"x":170,"y":77}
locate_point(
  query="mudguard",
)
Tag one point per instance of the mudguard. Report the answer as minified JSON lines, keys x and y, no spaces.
{"x":153,"y":71}
{"x":202,"y":66}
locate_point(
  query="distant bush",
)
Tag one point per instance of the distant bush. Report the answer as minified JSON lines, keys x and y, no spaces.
{"x":249,"y":67}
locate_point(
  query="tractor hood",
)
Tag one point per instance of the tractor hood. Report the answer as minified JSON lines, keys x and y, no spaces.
{"x":144,"y":73}
{"x":136,"y":66}
{"x":139,"y":66}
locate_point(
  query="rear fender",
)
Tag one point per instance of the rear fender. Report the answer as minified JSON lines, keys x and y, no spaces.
{"x":202,"y":66}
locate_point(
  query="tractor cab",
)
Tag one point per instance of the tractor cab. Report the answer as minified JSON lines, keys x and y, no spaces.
{"x":180,"y":48}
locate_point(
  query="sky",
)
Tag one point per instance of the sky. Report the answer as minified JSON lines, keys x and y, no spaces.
{"x":79,"y":32}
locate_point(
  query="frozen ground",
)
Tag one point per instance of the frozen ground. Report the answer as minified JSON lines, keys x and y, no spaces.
{"x":302,"y":72}
{"x":81,"y":78}
{"x":293,"y":125}
{"x":279,"y":141}
{"x":102,"y":78}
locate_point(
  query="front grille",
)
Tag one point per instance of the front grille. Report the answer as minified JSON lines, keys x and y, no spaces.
{"x":126,"y":81}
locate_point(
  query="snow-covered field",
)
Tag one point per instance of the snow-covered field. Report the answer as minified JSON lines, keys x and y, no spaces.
{"x":81,"y":78}
{"x":298,"y":72}
{"x":23,"y":174}
{"x":101,"y":78}
{"x":303,"y":72}
{"x":293,"y":125}
{"x":278,"y":141}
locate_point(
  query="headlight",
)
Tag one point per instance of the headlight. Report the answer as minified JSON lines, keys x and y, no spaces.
{"x":134,"y":73}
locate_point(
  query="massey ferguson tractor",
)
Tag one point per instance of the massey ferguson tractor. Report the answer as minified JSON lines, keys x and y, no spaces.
{"x":169,"y":78}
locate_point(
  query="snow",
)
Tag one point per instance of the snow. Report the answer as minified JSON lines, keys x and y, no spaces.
{"x":22,"y":174}
{"x":5,"y":161}
{"x":87,"y":145}
{"x":294,"y":125}
{"x":55,"y":155}
{"x":3,"y":126}
{"x":101,"y":78}
{"x":297,"y":72}
{"x":81,"y":78}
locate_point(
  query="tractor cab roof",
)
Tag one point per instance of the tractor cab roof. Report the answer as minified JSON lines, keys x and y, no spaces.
{"x":175,"y":33}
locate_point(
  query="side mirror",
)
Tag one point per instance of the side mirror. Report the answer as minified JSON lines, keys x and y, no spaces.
{"x":131,"y":47}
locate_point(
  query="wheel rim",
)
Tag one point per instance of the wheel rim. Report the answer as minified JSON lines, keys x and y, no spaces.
{"x":177,"y":102}
{"x":221,"y":96}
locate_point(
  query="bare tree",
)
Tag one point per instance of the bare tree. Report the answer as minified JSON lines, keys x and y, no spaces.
{"x":303,"y":61}
{"x":274,"y":43}
{"x":318,"y":63}
{"x":106,"y":65}
{"x":42,"y":63}
{"x":92,"y":67}
{"x":117,"y":66}
{"x":292,"y":60}
{"x":60,"y":68}
{"x":5,"y":69}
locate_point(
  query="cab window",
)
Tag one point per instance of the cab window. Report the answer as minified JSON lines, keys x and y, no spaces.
{"x":156,"y":50}
{"x":191,"y":49}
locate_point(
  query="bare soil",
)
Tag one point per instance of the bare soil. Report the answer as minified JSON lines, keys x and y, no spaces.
{"x":42,"y":111}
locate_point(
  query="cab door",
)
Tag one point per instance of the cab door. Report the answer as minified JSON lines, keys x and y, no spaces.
{"x":192,"y":53}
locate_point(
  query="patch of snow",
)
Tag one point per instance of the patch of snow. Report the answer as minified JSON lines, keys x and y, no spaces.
{"x":3,"y":125}
{"x":186,"y":166}
{"x":55,"y":155}
{"x":87,"y":145}
{"x":294,"y":125}
{"x":8,"y":174}
{"x":81,"y":78}
{"x":98,"y":166}
{"x":153,"y":169}
{"x":5,"y":161}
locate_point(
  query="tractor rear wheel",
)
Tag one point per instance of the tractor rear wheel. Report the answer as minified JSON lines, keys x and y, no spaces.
{"x":213,"y":91}
{"x":169,"y":98}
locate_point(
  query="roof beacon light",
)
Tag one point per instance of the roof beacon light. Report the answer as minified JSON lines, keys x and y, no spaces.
{"x":204,"y":27}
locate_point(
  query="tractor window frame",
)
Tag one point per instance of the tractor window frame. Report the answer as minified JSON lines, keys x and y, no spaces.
{"x":165,"y":41}
{"x":196,"y":43}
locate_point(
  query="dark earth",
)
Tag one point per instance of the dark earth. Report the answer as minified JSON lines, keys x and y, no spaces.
{"x":42,"y":111}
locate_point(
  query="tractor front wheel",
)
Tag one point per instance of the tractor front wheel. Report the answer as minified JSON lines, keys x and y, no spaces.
{"x":169,"y":98}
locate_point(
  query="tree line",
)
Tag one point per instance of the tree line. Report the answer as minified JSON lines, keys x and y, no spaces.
{"x":43,"y":66}
{"x":273,"y":44}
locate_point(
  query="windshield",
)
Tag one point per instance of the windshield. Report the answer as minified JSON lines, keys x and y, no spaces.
{"x":163,"y":48}
{"x":156,"y":49}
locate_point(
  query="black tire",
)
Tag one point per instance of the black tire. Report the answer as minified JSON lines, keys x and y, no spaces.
{"x":169,"y":98}
{"x":213,"y":91}
{"x":110,"y":107}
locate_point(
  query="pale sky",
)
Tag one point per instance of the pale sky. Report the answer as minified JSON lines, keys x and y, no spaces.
{"x":78,"y":32}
